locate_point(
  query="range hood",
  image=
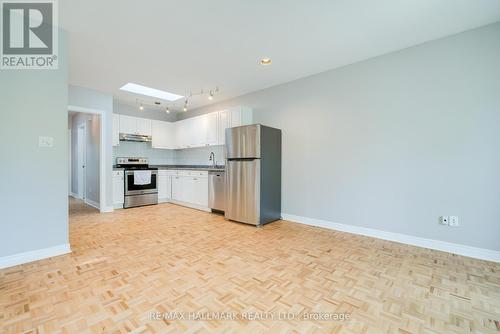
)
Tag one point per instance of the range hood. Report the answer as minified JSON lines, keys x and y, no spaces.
{"x":134,"y":137}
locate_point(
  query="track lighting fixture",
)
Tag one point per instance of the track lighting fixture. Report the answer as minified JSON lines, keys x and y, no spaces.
{"x":185,"y":106}
{"x":211,"y":96}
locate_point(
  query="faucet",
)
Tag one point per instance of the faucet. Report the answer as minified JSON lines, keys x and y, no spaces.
{"x":211,"y":157}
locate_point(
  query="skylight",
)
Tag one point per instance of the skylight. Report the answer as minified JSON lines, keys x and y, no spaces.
{"x":143,"y":90}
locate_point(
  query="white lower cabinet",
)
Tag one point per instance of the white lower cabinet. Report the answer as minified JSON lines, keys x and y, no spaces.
{"x":191,"y":188}
{"x":164,"y":186}
{"x":200,"y":187}
{"x":118,"y":189}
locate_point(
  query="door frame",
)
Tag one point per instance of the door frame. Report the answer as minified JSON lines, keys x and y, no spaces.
{"x":82,"y":160}
{"x":70,"y":165}
{"x":103,"y":177}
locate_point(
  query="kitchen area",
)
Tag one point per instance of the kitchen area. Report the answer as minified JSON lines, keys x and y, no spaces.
{"x":187,"y":163}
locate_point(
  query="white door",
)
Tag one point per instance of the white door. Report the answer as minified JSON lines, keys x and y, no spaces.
{"x":176,"y":188}
{"x":144,"y":126}
{"x":163,"y":185}
{"x":211,"y":132}
{"x":69,"y":162}
{"x":116,"y":130}
{"x":118,"y":188}
{"x":224,"y":123}
{"x":235,"y":117}
{"x":200,"y":190}
{"x":180,"y":134}
{"x":128,"y":124}
{"x":188,"y":189}
{"x":82,"y":161}
{"x":190,"y":132}
{"x":159,"y":132}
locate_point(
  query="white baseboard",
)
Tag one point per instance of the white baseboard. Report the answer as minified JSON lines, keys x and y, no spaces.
{"x":39,"y":254}
{"x":118,"y":206}
{"x":72,"y":194}
{"x":190,"y":205}
{"x":106,"y":209}
{"x":474,"y":252}
{"x":92,"y":203}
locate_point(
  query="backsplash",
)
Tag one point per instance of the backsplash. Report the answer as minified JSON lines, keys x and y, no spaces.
{"x":189,"y":156}
{"x":141,"y":149}
{"x":200,"y":155}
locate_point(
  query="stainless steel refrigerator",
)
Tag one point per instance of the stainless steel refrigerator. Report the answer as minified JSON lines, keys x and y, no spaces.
{"x":253,"y":174}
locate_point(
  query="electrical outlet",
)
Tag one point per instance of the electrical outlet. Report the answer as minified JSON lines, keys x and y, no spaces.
{"x":444,"y":220}
{"x":44,"y":141}
{"x":453,"y":221}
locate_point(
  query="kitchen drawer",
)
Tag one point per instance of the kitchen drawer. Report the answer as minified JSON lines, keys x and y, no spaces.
{"x":199,"y":173}
{"x":117,"y":173}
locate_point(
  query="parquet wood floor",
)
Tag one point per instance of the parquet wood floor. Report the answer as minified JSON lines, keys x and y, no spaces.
{"x":129,"y":263}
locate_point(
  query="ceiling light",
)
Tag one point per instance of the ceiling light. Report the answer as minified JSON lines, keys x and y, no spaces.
{"x":143,"y":90}
{"x":266,"y":61}
{"x":211,"y":96}
{"x":167,"y":110}
{"x":141,"y":108}
{"x":185,"y":106}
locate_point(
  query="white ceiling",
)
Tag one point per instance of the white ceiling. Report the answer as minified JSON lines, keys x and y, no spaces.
{"x":182,"y":45}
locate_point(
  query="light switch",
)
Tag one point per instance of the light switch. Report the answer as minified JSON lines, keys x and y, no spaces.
{"x":44,"y":141}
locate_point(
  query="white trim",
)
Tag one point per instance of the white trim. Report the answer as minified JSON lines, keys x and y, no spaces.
{"x":107,"y":209}
{"x":72,"y":194}
{"x":70,"y":166}
{"x":92,"y":203}
{"x":474,"y":252}
{"x":104,"y":149}
{"x":190,"y":205}
{"x":82,"y":159}
{"x":39,"y":254}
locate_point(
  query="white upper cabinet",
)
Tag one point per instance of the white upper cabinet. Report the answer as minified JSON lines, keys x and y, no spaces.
{"x":163,"y":135}
{"x":116,"y":130}
{"x":135,"y":125}
{"x":224,"y":123}
{"x":144,"y":126}
{"x":211,"y":129}
{"x":128,"y":124}
{"x":230,"y":118}
{"x":181,"y":138}
{"x":205,"y":130}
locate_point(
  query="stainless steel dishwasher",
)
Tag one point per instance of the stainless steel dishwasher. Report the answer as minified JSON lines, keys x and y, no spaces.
{"x":216,"y":185}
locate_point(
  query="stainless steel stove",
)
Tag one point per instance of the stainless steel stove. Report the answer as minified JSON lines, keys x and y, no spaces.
{"x":140,"y":182}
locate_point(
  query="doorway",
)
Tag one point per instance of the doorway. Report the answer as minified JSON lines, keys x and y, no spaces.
{"x":85,"y":157}
{"x":82,"y":160}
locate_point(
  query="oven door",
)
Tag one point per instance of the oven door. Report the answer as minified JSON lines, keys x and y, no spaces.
{"x":134,"y":189}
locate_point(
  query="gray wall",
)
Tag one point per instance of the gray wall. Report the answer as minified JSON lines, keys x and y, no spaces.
{"x":87,"y":98}
{"x":34,"y":180}
{"x":188,"y":156}
{"x":93,"y":149}
{"x":135,"y":149}
{"x":394,"y":142}
{"x":200,"y":155}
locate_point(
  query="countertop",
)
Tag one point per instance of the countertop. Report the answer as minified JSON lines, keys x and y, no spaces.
{"x":191,"y":167}
{"x":218,"y":168}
